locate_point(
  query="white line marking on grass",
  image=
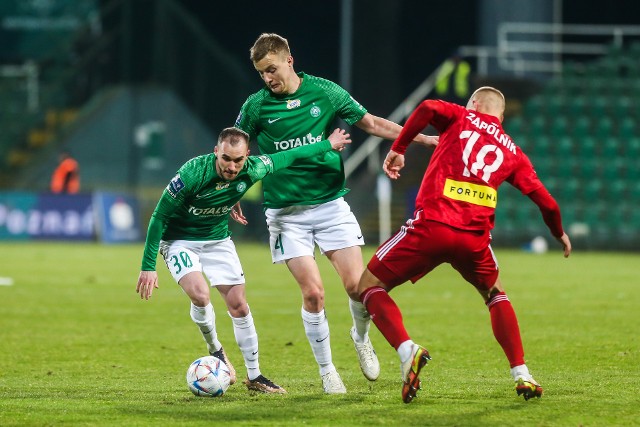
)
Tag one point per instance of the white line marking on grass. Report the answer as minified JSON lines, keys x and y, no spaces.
{"x":6,"y":281}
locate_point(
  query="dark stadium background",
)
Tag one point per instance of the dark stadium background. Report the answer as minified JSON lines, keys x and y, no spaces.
{"x":396,"y":43}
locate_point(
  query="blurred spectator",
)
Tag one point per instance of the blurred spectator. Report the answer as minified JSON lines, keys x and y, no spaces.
{"x":66,"y":176}
{"x":452,"y":82}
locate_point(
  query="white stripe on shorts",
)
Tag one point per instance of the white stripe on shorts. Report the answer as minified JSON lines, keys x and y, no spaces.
{"x":384,"y":249}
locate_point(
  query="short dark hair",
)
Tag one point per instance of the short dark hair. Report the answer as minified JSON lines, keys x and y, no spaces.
{"x":268,"y":43}
{"x":233,"y":136}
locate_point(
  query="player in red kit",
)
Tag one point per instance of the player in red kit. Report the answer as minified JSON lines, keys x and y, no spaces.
{"x":455,"y":212}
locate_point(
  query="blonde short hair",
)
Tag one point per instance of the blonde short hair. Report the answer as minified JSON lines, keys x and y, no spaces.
{"x":268,"y":43}
{"x":490,"y":96}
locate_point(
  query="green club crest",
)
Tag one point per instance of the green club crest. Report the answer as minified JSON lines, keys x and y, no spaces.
{"x":315,"y":111}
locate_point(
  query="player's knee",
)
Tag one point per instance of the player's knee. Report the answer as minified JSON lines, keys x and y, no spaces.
{"x":352,"y":289}
{"x":200,"y":299}
{"x":489,"y":291}
{"x":314,"y":297}
{"x":239,"y":309}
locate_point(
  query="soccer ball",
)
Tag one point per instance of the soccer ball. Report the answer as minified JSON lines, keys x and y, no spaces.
{"x":208,"y":376}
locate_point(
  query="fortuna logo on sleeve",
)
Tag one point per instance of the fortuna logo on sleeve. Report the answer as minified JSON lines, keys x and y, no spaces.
{"x":477,"y":194}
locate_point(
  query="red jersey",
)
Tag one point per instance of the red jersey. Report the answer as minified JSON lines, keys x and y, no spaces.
{"x":473,"y":157}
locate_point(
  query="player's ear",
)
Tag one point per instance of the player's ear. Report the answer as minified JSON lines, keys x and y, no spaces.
{"x":215,"y":149}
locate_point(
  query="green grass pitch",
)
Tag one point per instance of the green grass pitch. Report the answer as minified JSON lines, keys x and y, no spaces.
{"x":79,"y":347}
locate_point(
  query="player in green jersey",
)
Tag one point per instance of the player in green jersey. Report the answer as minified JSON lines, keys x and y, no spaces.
{"x":305,"y":205}
{"x":191,"y":226}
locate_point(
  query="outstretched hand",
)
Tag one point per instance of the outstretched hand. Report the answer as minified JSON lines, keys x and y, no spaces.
{"x":147,"y":281}
{"x":339,"y":138}
{"x":566,"y":244}
{"x":392,"y":164}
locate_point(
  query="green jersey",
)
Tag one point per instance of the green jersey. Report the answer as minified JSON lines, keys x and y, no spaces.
{"x":197,"y":202}
{"x":283,"y":122}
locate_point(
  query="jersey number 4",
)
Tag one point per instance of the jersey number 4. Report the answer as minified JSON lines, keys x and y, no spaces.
{"x":278,"y":244}
{"x":479,"y":166}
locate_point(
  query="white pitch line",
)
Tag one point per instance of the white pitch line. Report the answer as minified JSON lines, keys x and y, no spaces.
{"x":6,"y":281}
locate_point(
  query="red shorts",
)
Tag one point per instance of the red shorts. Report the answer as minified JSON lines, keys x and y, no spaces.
{"x":422,"y":245}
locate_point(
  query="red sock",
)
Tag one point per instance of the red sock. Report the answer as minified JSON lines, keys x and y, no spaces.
{"x":505,"y":328}
{"x":385,"y":315}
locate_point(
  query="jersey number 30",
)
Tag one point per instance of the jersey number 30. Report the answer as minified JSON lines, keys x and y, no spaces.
{"x":186,"y":261}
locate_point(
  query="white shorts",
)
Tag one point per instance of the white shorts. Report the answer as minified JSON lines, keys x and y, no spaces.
{"x":295,"y":230}
{"x":217,"y":259}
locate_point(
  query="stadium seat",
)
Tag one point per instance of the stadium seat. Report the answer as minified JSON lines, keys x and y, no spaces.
{"x":538,"y":145}
{"x":633,"y":88}
{"x":630,"y":147}
{"x":555,"y":105}
{"x":622,"y":107}
{"x":593,"y":189}
{"x":576,"y":106}
{"x":567,"y":189}
{"x":572,"y":70}
{"x":534,"y":107}
{"x":598,"y":107}
{"x":563,"y":147}
{"x":586,"y":147}
{"x":615,"y":168}
{"x":514,"y":125}
{"x":627,"y":128}
{"x":615,"y":190}
{"x":538,"y":126}
{"x":610,"y":147}
{"x":581,"y":128}
{"x":633,"y":192}
{"x":604,"y":128}
{"x":632,"y":170}
{"x":544,"y":167}
{"x":559,"y":127}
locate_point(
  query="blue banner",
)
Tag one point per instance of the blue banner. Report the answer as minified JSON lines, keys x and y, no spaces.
{"x":29,"y":216}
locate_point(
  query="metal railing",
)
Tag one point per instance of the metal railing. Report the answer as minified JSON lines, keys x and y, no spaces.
{"x":29,"y":72}
{"x":543,"y":47}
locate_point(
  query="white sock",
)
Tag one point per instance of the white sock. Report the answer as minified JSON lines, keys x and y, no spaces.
{"x":316,"y":326}
{"x":247,"y":339}
{"x":361,"y":321}
{"x":405,"y":350}
{"x":520,"y":371}
{"x":205,"y":318}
